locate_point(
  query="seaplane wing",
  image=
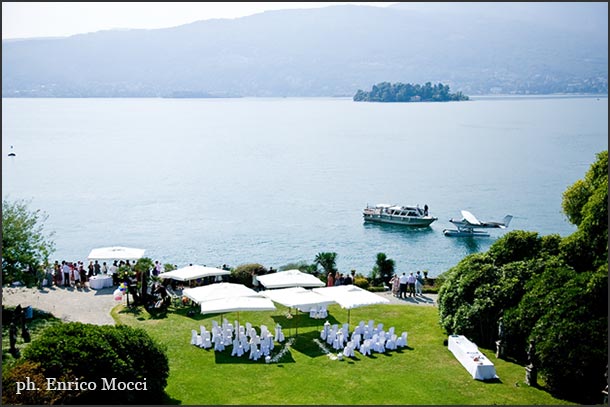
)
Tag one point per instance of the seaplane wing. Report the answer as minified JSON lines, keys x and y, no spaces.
{"x":470,"y":218}
{"x":469,"y":221}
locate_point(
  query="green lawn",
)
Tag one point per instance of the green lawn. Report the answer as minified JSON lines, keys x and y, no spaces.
{"x":424,"y":373}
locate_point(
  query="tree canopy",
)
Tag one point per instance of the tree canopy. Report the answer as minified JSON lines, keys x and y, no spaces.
{"x":407,"y":92}
{"x":26,"y":246}
{"x":384,"y":268}
{"x":328,"y":261}
{"x":549,"y":290}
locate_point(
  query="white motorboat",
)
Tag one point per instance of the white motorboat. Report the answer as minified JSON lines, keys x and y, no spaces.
{"x":398,"y":215}
{"x":466,"y":226}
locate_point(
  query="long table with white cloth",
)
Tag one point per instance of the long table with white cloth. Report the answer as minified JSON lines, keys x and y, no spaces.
{"x":471,"y":358}
{"x":100,"y":281}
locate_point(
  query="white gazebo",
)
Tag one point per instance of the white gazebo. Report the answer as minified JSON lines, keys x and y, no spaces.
{"x":217,"y":291}
{"x":193,"y":273}
{"x":351,"y":296}
{"x":228,"y":297}
{"x":236,"y":304}
{"x":297,"y":297}
{"x":116,"y":253}
{"x":290,"y":278}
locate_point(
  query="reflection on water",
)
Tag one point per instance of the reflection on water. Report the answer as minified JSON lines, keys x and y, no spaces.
{"x":407,"y":231}
{"x":470,"y":243}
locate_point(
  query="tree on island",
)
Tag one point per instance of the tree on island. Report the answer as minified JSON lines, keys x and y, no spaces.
{"x":406,"y":92}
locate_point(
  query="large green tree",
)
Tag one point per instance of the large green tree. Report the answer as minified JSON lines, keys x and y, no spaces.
{"x":26,"y":246}
{"x":585,"y":203}
{"x":548,"y":290}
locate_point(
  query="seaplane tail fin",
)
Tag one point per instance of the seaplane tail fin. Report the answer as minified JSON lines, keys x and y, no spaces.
{"x":506,"y":221}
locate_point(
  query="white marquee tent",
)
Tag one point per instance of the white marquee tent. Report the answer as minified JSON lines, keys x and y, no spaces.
{"x":297,"y":297}
{"x":290,"y":278}
{"x":217,"y":291}
{"x":193,"y":273}
{"x":351,"y":296}
{"x":116,"y":253}
{"x":232,"y":304}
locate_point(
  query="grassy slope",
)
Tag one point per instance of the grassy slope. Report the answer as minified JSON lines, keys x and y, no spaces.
{"x":424,"y":373}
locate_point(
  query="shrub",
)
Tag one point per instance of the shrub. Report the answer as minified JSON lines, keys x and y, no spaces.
{"x":242,"y":274}
{"x":361,"y":281}
{"x":91,"y":352}
{"x":377,"y":289}
{"x":33,"y":371}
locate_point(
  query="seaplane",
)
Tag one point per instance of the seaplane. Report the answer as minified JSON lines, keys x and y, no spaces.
{"x":468,"y":225}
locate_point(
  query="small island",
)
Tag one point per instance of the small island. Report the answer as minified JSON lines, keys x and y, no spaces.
{"x":406,"y":92}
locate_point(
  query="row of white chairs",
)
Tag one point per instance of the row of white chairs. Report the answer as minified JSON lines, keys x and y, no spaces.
{"x":318,"y":312}
{"x":242,"y":338}
{"x":365,"y":338}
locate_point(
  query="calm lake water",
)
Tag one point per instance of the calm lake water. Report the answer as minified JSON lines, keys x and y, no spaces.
{"x":274,"y":181}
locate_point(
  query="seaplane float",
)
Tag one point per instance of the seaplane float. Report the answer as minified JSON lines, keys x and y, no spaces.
{"x":468,"y":225}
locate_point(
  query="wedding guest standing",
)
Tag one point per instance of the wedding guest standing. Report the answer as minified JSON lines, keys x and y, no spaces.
{"x":419,"y":284}
{"x":330,"y":280}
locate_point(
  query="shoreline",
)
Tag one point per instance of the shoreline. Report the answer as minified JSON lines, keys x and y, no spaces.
{"x":94,"y":306}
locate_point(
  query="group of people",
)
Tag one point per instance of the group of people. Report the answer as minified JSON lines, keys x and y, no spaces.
{"x":411,"y":285}
{"x":77,"y":275}
{"x":334,"y":279}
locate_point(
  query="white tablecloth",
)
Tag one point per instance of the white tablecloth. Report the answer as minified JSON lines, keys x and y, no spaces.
{"x":471,"y":358}
{"x":100,"y":281}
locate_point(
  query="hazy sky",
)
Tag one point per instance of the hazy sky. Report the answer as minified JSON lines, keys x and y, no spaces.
{"x":37,"y":19}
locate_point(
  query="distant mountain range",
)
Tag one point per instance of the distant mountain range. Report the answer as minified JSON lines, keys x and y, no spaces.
{"x":475,"y":48}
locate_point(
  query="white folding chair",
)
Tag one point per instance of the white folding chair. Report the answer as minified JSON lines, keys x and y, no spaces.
{"x":356,"y":338}
{"x":279,"y":335}
{"x":391,"y":343}
{"x":195,"y":338}
{"x":235,"y":347}
{"x":205,"y":340}
{"x":255,"y":353}
{"x":365,"y":348}
{"x":401,"y":342}
{"x":349,"y":349}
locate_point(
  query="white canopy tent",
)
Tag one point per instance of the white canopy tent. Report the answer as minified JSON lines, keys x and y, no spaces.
{"x":290,"y":278}
{"x":297,"y":297}
{"x":232,"y":304}
{"x":217,"y":291}
{"x":116,"y":253}
{"x":351,"y":296}
{"x":193,"y":273}
{"x":236,"y":304}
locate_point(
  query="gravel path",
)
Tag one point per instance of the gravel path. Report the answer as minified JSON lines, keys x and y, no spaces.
{"x":69,"y":304}
{"x":425,"y":299}
{"x":94,"y":306}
